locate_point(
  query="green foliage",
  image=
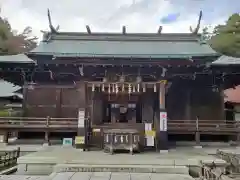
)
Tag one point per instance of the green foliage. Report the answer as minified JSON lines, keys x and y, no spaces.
{"x":226,"y":38}
{"x":12,"y":42}
{"x":10,"y":113}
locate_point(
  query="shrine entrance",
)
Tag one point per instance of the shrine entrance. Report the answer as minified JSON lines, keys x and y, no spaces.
{"x":122,"y":108}
{"x":128,"y":110}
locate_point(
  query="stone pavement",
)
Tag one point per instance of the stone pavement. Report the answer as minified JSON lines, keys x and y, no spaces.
{"x":44,"y":161}
{"x":118,"y":176}
{"x":16,"y":177}
{"x":63,"y":155}
{"x":100,"y":176}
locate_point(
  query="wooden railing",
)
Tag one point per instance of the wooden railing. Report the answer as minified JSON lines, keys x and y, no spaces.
{"x":174,"y":126}
{"x":39,"y":123}
{"x":204,"y":126}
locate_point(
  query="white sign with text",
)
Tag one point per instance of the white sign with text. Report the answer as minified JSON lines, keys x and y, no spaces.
{"x":163,"y":121}
{"x":81,"y":117}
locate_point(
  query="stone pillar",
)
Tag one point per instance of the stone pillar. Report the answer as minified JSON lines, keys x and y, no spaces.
{"x":162,"y":134}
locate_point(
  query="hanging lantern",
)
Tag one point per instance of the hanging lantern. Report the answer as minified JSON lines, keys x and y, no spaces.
{"x":103,"y":87}
{"x":138,"y":88}
{"x":134,"y":89}
{"x":123,"y":88}
{"x":93,"y":87}
{"x":109,"y":88}
{"x":113,"y":89}
{"x":155,"y":88}
{"x":129,"y":88}
{"x":117,"y":88}
{"x":144,"y":88}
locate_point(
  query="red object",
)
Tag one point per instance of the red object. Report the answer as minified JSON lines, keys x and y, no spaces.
{"x":232,"y":95}
{"x":163,"y":115}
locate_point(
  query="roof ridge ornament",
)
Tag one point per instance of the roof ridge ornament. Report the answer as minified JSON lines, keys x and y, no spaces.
{"x":195,"y":31}
{"x":124,"y":31}
{"x":46,"y":34}
{"x":88,"y":29}
{"x":160,"y":30}
{"x":53,"y":29}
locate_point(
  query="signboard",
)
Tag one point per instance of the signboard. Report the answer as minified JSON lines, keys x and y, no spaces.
{"x":96,"y":130}
{"x":149,"y":134}
{"x":163,"y":121}
{"x":79,"y":140}
{"x":81,"y":117}
{"x":67,"y":141}
{"x":1,"y":138}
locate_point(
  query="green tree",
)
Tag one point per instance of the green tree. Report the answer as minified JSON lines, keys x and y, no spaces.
{"x":225,"y":38}
{"x":12,"y":42}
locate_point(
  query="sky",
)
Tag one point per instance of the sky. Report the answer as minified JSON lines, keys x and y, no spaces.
{"x":111,"y":15}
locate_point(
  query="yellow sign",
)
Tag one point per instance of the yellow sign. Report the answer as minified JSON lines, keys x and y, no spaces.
{"x":150,"y":133}
{"x":79,"y":140}
{"x":163,"y":81}
{"x":96,"y":130}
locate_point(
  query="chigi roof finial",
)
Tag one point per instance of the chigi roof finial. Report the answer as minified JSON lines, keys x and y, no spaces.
{"x":195,"y":31}
{"x":53,"y":29}
{"x":88,"y":29}
{"x":160,"y":30}
{"x":124,"y":30}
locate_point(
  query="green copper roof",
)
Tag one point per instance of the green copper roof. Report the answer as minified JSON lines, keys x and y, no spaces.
{"x":8,"y":89}
{"x":123,"y":45}
{"x":227,"y":60}
{"x":19,"y":58}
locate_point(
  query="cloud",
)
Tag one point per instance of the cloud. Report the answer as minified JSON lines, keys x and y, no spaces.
{"x":110,"y":15}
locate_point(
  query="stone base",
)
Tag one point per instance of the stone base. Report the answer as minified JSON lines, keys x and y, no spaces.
{"x":163,"y":151}
{"x":45,"y":144}
{"x":120,"y":168}
{"x":197,"y":147}
{"x":3,"y":144}
{"x":163,"y":140}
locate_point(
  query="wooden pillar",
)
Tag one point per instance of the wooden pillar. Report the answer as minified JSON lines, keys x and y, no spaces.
{"x":58,"y":102}
{"x":4,"y":137}
{"x":188,"y":105}
{"x":24,"y":101}
{"x":162,"y":137}
{"x":82,"y":117}
{"x":238,"y":133}
{"x":222,"y":103}
{"x":197,"y":133}
{"x":46,"y":139}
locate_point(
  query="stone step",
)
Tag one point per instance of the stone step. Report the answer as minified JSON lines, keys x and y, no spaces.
{"x":121,"y":168}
